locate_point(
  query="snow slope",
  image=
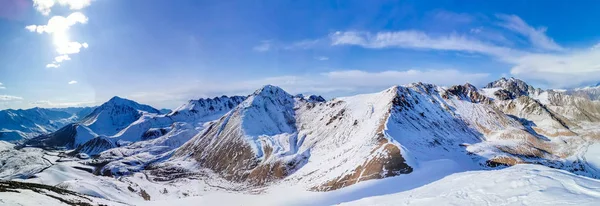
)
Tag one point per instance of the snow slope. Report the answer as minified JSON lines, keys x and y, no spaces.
{"x":440,"y":184}
{"x":517,"y":185}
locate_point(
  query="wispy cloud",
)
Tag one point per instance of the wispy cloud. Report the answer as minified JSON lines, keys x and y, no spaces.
{"x":9,"y":98}
{"x":334,"y":83}
{"x":413,"y":39}
{"x":537,"y":37}
{"x":46,"y":103}
{"x":543,"y":60}
{"x":264,"y":46}
{"x":2,"y":86}
{"x":448,"y":16}
{"x":45,"y":6}
{"x":561,"y":70}
{"x":52,"y":65}
{"x":73,"y":82}
{"x":58,"y":27}
{"x":62,"y":58}
{"x":304,"y":44}
{"x":322,"y":58}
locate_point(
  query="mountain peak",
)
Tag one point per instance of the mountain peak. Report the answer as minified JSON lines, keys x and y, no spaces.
{"x":513,"y":85}
{"x":269,"y":90}
{"x":118,"y":100}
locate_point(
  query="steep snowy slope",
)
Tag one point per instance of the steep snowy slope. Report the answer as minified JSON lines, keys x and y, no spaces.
{"x":16,"y":125}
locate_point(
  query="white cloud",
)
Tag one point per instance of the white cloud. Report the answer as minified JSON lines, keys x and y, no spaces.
{"x":59,"y":24}
{"x":70,"y":48}
{"x":304,"y":44}
{"x":75,"y":4}
{"x":545,"y":62}
{"x":2,"y":86}
{"x":447,"y":77}
{"x":46,"y":103}
{"x":52,"y":65}
{"x":73,"y":82}
{"x":263,"y":47}
{"x":476,"y":30}
{"x":45,"y":6}
{"x":537,"y":37}
{"x":322,"y":58}
{"x":412,"y":39}
{"x":9,"y":98}
{"x":335,"y":83}
{"x":31,"y":28}
{"x":62,"y":58}
{"x":560,"y":70}
{"x":596,"y":46}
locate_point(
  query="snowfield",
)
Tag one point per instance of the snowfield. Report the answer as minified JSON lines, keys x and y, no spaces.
{"x":517,"y":185}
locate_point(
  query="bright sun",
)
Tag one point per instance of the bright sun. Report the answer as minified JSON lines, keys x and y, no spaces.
{"x":60,"y":38}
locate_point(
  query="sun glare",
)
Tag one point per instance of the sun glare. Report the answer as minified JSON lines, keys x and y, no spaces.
{"x":60,"y":38}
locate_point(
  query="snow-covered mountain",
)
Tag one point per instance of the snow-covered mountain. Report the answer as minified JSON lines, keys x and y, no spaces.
{"x":271,"y":143}
{"x":16,"y":125}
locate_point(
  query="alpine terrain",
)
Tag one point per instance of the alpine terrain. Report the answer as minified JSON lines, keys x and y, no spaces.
{"x":416,"y":144}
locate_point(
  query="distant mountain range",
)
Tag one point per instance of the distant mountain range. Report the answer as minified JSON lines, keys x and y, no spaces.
{"x":16,"y":125}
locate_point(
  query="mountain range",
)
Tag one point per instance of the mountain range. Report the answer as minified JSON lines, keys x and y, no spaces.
{"x":16,"y":125}
{"x":271,"y":139}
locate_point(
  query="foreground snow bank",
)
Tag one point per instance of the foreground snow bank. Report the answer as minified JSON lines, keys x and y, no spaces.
{"x":517,"y":185}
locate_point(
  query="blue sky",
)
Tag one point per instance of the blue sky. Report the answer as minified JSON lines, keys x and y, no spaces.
{"x":57,"y":53}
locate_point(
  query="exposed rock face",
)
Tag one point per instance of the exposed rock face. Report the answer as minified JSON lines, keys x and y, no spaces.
{"x":503,"y":94}
{"x":387,"y":163}
{"x":514,"y":86}
{"x":468,"y":92}
{"x":238,"y":147}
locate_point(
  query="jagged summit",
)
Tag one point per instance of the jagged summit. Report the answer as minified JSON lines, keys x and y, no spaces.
{"x":311,"y":98}
{"x":468,"y":92}
{"x":512,"y":88}
{"x":205,"y":107}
